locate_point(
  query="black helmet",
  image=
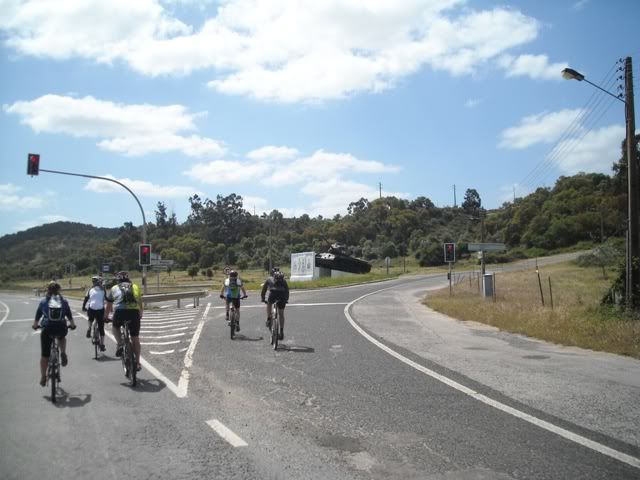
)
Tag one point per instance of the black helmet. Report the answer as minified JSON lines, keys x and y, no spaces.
{"x":122,"y":276}
{"x":233,"y":274}
{"x":278,"y":275}
{"x":53,"y":287}
{"x":274,"y":270}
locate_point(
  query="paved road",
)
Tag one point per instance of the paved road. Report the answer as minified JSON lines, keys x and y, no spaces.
{"x":380,"y":388}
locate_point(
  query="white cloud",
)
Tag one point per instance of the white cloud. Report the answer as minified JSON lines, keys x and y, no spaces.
{"x":10,"y":200}
{"x":54,"y":218}
{"x":275,"y":51}
{"x":273,"y":153}
{"x":221,"y":172}
{"x":533,"y":66}
{"x":580,"y":4}
{"x":127,"y":129}
{"x":594,"y":152}
{"x":539,"y":128}
{"x":472,"y":102}
{"x":140,"y":188}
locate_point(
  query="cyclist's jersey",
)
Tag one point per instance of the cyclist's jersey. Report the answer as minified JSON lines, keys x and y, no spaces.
{"x":53,"y":311}
{"x":115,"y":296}
{"x":95,"y":297}
{"x":279,"y":290}
{"x":232,"y":290}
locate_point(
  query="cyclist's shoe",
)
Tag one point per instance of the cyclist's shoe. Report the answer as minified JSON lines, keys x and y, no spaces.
{"x":102,"y":348}
{"x":119,"y":351}
{"x":138,"y":368}
{"x":281,"y":335}
{"x":65,"y":359}
{"x":238,"y":327}
{"x":268,"y":324}
{"x":89,"y":332}
{"x":226,"y":317}
{"x":43,"y":381}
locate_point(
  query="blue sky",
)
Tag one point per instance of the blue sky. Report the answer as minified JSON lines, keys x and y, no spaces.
{"x":301,"y":106}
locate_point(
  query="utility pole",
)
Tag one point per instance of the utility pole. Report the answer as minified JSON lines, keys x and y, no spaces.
{"x":633,"y":256}
{"x":380,"y":187}
{"x":454,"y":196}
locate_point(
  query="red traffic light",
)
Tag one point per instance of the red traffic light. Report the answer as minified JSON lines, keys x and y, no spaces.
{"x":144,"y":254}
{"x":449,"y":252}
{"x":33,"y":164}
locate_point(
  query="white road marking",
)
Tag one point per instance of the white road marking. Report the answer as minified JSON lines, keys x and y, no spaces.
{"x":171,"y":335}
{"x":579,"y":439}
{"x":6,"y":313}
{"x":160,"y":343}
{"x":227,"y":434}
{"x":183,"y":382}
{"x":161,"y":353}
{"x":146,"y":329}
{"x":15,"y":320}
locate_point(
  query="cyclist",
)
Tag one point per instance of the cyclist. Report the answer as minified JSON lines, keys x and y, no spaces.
{"x":278,"y":294}
{"x":95,"y":296}
{"x":125,"y":299}
{"x":230,"y":291}
{"x":53,"y":310}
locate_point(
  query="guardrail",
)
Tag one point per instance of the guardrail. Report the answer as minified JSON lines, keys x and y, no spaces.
{"x":163,"y":297}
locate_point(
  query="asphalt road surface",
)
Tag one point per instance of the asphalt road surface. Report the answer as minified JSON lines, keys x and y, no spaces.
{"x":367,"y":384}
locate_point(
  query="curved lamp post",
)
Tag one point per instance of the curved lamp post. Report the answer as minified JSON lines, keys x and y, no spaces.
{"x":632,"y":290}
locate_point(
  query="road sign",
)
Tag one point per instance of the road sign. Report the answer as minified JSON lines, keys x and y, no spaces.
{"x":486,"y":247}
{"x":159,"y":268}
{"x":106,"y":268}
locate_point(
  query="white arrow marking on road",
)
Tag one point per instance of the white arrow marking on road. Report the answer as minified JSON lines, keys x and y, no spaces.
{"x":183,"y":383}
{"x":227,"y":434}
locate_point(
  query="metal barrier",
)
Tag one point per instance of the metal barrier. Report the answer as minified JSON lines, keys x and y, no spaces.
{"x":163,"y":297}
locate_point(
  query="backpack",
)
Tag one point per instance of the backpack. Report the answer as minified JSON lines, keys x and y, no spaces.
{"x":233,"y":282}
{"x":128,"y":295}
{"x":55,"y":309}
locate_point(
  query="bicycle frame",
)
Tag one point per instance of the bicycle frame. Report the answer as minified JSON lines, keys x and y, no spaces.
{"x":275,"y":325}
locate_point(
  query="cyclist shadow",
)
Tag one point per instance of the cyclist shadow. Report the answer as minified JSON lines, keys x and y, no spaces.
{"x":106,"y":358}
{"x":147,"y":386}
{"x":244,"y":338}
{"x":296,"y":348}
{"x":66,"y":400}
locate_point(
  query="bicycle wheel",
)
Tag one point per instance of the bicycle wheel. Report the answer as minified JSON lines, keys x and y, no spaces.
{"x":95,"y":337}
{"x":134,"y":366}
{"x":232,"y":323}
{"x":275,"y":329}
{"x":53,"y":372}
{"x":125,"y":356}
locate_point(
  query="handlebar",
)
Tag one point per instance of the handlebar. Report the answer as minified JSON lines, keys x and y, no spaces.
{"x":71,"y":327}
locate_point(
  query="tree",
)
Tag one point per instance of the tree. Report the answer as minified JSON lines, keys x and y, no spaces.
{"x":472,"y":202}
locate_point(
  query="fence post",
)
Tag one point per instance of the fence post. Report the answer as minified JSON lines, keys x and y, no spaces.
{"x":540,"y":285}
{"x":550,"y":292}
{"x":494,"y":287}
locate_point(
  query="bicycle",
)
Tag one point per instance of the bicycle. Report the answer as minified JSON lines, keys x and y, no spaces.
{"x":128,"y":358}
{"x":53,"y":369}
{"x":95,"y":337}
{"x":234,"y":317}
{"x":275,"y":325}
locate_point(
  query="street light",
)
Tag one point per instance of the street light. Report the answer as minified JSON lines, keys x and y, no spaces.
{"x":632,"y":284}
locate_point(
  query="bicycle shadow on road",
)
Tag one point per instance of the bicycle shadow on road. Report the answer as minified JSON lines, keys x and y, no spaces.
{"x":107,"y":358}
{"x":296,"y":348}
{"x":64,"y":399}
{"x":244,"y":338}
{"x":146,"y":386}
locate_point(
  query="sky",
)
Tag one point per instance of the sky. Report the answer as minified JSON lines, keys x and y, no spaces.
{"x":303,"y":106}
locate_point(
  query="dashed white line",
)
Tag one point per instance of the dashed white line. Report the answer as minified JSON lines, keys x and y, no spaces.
{"x":579,"y":439}
{"x":227,"y":434}
{"x":161,"y":353}
{"x":160,"y":343}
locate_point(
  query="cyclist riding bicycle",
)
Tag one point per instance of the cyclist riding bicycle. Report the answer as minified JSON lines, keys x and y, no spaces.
{"x":278,"y":294}
{"x":95,"y":296}
{"x":230,"y":291}
{"x":54,"y":310}
{"x":125,"y":299}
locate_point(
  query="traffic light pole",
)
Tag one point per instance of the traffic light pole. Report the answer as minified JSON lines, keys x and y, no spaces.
{"x":144,"y":221}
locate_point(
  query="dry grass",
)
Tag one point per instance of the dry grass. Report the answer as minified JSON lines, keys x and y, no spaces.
{"x":577,"y":319}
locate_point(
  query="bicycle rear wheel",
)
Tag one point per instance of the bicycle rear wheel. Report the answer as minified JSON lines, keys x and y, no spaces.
{"x":95,"y":338}
{"x":53,"y":378}
{"x":275,"y":329}
{"x":134,"y":367}
{"x":232,"y":323}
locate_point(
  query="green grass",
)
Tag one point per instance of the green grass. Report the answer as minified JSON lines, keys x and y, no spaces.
{"x":576,"y":319}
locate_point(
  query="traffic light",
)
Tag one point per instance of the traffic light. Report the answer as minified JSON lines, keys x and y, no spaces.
{"x":449,"y":252}
{"x":33,"y":164}
{"x":145,"y":254}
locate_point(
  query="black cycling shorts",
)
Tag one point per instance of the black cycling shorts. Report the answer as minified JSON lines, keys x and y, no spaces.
{"x":47,"y":334}
{"x":130,"y":315}
{"x":278,"y":299}
{"x":235,"y":301}
{"x":99,"y":316}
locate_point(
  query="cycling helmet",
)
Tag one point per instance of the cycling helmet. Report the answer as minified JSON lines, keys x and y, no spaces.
{"x":96,"y":280}
{"x":274,"y":270}
{"x":53,"y":287}
{"x":233,"y":274}
{"x":278,"y":275}
{"x":122,"y":276}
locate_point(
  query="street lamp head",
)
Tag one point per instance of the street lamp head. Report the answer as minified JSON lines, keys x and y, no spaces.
{"x":571,"y":74}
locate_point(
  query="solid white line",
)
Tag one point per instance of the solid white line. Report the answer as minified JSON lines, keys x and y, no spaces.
{"x":15,"y":320}
{"x":6,"y":314}
{"x":227,"y":434}
{"x":579,"y":439}
{"x":183,"y":382}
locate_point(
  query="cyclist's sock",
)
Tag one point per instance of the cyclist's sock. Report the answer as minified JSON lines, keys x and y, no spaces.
{"x":43,"y":381}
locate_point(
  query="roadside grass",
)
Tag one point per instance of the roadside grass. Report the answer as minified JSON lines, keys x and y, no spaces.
{"x":576,"y":319}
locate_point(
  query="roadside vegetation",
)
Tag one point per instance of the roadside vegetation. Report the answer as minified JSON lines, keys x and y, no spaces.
{"x":577,"y":318}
